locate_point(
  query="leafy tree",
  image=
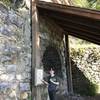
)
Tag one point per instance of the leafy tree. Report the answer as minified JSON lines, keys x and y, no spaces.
{"x":81,"y":3}
{"x":92,"y":4}
{"x":14,"y":3}
{"x":7,"y":2}
{"x":98,"y":5}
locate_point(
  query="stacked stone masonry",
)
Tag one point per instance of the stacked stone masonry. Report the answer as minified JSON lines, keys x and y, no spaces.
{"x":51,"y":35}
{"x":15,"y":54}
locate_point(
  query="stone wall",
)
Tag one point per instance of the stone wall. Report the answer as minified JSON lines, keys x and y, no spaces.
{"x":15,"y":53}
{"x":52,"y":35}
{"x":86,"y":69}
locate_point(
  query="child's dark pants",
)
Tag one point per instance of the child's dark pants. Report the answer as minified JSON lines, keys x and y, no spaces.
{"x":52,"y":95}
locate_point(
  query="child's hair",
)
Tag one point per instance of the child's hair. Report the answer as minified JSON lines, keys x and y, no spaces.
{"x":51,"y":69}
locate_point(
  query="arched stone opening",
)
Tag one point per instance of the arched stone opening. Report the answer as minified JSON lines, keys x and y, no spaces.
{"x":51,"y":59}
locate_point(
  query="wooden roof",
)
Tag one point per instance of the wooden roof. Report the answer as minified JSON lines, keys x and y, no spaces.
{"x":75,"y":21}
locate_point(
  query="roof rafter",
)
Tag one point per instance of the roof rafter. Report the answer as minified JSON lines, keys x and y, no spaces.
{"x":79,"y":22}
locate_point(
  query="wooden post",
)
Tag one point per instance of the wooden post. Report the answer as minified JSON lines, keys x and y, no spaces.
{"x":35,"y":47}
{"x":68,"y":66}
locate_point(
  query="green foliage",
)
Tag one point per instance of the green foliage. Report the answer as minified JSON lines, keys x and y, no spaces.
{"x":14,"y":3}
{"x":88,"y":89}
{"x":7,"y":2}
{"x":92,"y":89}
{"x":85,"y":89}
{"x":81,"y":3}
{"x":92,"y":4}
{"x":29,"y":98}
{"x":98,"y":5}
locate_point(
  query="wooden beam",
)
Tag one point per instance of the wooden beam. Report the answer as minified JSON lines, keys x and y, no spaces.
{"x":79,"y":24}
{"x":84,"y":23}
{"x":87,"y":13}
{"x":35,"y":49}
{"x":78,"y":34}
{"x":86,"y":30}
{"x":60,"y":17}
{"x":68,"y":66}
{"x":71,"y":18}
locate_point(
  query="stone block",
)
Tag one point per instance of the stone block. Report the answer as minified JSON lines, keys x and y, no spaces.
{"x":24,"y":86}
{"x":14,"y":38}
{"x":11,"y":68}
{"x":24,"y":96}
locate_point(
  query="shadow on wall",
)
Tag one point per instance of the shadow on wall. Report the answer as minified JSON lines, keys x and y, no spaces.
{"x":81,"y":85}
{"x":51,"y":59}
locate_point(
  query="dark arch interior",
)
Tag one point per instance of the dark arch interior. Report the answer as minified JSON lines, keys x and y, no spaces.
{"x":51,"y":59}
